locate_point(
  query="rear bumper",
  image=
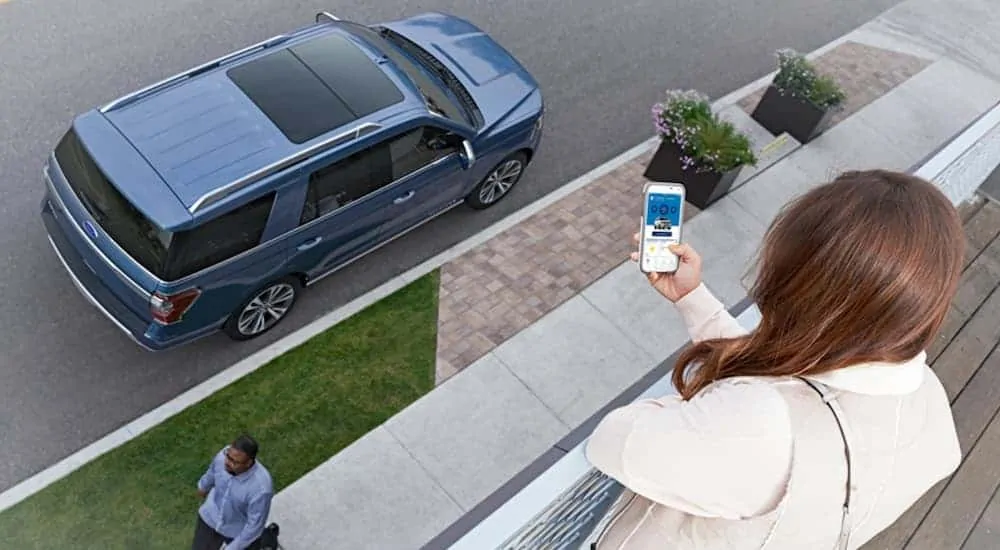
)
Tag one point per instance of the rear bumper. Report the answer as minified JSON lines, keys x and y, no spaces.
{"x":93,"y":301}
{"x":55,"y":234}
{"x":93,"y":290}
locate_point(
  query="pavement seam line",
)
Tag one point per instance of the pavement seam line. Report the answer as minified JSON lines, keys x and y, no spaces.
{"x":430,"y":474}
{"x":532,"y":392}
{"x":622,"y":330}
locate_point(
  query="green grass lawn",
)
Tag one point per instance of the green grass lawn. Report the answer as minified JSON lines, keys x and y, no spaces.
{"x":303,"y":407}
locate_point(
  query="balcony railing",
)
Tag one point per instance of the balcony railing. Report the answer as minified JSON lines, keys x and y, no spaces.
{"x":570,"y":520}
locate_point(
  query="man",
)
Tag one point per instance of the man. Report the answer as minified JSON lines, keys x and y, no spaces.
{"x":239,"y":492}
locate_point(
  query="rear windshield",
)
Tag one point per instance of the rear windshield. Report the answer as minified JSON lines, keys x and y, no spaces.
{"x":128,"y":227}
{"x":169,"y":256}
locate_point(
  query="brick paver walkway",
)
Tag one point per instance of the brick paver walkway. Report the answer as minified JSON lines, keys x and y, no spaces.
{"x":502,"y":286}
{"x":963,"y":512}
{"x":499,"y":288}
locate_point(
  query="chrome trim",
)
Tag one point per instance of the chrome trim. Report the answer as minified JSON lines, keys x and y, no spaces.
{"x":443,"y":211}
{"x":90,"y":297}
{"x":221,"y":193}
{"x":292,"y":232}
{"x":470,"y":155}
{"x":169,"y":81}
{"x":93,"y":246}
{"x":328,"y":15}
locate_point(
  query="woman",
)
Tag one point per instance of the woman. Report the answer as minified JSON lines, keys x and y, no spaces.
{"x":830,"y":391}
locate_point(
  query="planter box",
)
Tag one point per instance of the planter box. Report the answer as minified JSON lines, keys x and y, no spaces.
{"x":784,"y":113}
{"x":702,"y":188}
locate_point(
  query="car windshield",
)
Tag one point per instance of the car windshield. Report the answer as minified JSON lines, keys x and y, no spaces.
{"x":123,"y":222}
{"x":433,"y":79}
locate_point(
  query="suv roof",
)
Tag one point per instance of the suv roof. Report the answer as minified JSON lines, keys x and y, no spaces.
{"x":239,"y":118}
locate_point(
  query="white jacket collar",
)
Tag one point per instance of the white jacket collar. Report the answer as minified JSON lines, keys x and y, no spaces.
{"x":877,"y":378}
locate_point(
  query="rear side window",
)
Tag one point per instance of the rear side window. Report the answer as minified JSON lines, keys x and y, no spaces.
{"x":219,"y":239}
{"x":340,"y":184}
{"x":135,"y":234}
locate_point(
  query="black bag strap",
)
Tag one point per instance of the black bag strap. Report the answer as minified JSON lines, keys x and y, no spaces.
{"x":830,"y":400}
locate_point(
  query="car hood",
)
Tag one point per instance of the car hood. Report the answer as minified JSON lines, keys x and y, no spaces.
{"x":496,"y":80}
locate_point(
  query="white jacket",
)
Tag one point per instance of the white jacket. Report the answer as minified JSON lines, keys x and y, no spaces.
{"x":750,"y":461}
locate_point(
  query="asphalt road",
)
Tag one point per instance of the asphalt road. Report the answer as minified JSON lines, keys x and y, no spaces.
{"x":67,"y":377}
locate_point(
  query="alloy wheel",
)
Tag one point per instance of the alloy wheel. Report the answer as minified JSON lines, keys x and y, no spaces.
{"x":265,"y":309}
{"x":500,"y":181}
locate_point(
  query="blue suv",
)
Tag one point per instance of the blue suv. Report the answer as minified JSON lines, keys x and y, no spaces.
{"x":209,"y":200}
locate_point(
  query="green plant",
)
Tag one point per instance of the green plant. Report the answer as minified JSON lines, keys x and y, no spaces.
{"x":706,"y":142}
{"x":720,"y":145}
{"x":798,"y":78}
{"x":827,"y":93}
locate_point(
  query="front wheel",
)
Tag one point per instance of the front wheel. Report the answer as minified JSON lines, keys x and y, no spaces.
{"x":267,"y":307}
{"x":501,"y":179}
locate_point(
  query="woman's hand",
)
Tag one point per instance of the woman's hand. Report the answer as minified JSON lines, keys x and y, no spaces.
{"x":676,"y":285}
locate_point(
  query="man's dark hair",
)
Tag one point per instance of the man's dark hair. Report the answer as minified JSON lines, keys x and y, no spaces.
{"x":246,"y":444}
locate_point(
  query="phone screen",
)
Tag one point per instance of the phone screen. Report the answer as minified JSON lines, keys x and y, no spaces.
{"x":661,"y":230}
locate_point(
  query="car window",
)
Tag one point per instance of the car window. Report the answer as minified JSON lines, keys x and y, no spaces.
{"x":363,"y":173}
{"x":339,"y":184}
{"x":219,"y":239}
{"x":136,"y":234}
{"x":418,"y":148}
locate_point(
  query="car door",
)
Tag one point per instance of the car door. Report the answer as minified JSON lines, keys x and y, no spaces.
{"x":425,"y":175}
{"x":341,"y":217}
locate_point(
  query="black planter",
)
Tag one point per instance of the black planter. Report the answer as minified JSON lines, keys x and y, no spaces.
{"x":702,"y":189}
{"x":784,"y":113}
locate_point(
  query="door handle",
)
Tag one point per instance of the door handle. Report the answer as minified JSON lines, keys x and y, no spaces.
{"x":310,"y":243}
{"x":404,"y":198}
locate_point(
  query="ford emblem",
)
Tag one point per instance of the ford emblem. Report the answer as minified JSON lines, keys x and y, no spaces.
{"x":90,"y":229}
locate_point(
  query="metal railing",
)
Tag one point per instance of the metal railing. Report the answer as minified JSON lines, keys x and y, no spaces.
{"x":572,"y":518}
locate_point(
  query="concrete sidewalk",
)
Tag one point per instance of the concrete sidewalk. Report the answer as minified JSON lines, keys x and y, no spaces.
{"x":548,"y":366}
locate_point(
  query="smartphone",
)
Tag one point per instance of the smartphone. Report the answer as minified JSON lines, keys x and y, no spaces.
{"x":662,"y":218}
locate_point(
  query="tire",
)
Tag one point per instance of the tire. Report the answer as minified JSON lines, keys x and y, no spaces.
{"x":249,"y":320}
{"x":498,"y":183}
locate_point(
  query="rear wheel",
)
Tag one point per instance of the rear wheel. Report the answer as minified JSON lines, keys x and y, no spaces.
{"x":501,"y":179}
{"x":267,"y":307}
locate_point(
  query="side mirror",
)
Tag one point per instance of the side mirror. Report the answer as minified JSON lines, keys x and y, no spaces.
{"x":468,"y":155}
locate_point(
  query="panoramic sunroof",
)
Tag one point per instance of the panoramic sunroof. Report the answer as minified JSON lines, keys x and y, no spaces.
{"x":315,"y":87}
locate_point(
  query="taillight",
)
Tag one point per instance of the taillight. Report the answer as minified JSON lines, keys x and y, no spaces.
{"x":169,"y":308}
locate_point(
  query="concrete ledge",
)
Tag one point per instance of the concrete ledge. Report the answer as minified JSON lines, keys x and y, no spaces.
{"x":961,"y":166}
{"x":770,"y":149}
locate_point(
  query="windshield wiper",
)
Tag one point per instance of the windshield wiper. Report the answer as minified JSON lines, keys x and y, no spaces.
{"x":433,"y":105}
{"x":96,"y":212}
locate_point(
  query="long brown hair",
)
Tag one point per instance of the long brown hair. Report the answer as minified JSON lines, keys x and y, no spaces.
{"x":859,"y":269}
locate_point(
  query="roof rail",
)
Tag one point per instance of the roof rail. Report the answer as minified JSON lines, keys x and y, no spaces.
{"x":167,"y":82}
{"x":326,"y":15}
{"x":221,"y":193}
